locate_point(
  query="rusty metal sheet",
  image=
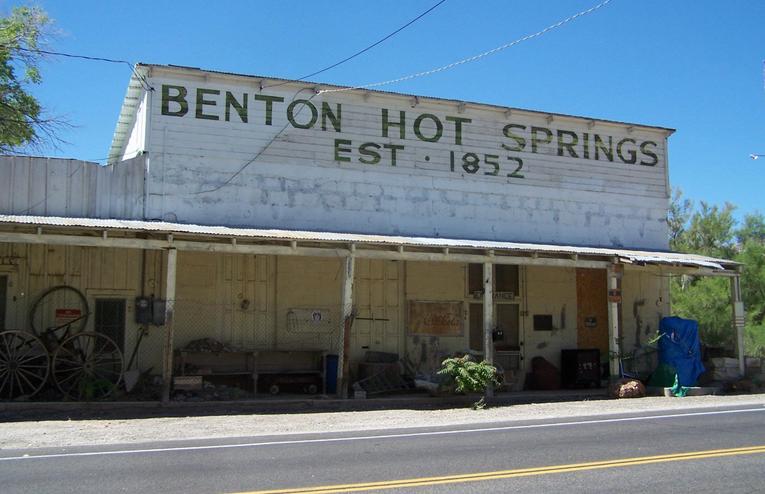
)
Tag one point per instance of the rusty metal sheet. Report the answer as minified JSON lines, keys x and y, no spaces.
{"x":436,"y":318}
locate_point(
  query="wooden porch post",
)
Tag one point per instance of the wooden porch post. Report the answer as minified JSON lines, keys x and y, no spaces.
{"x":167,"y":362}
{"x":345,"y":334}
{"x":488,"y":317}
{"x":613,"y":274}
{"x":738,"y":320}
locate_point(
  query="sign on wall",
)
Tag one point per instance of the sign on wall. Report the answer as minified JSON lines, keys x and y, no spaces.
{"x":436,"y":318}
{"x":238,"y":152}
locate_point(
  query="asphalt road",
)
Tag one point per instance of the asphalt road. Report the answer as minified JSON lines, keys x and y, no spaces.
{"x":712,"y":450}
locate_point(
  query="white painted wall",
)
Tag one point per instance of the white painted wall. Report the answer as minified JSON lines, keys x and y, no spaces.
{"x":214,"y":171}
{"x":63,"y":187}
{"x":136,"y":143}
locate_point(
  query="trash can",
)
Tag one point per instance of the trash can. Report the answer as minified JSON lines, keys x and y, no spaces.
{"x":330,"y":374}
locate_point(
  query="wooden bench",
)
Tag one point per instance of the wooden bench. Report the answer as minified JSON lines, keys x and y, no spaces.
{"x":279,"y":367}
{"x":239,"y":363}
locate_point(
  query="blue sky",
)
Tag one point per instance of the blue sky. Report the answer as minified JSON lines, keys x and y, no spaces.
{"x":693,"y":65}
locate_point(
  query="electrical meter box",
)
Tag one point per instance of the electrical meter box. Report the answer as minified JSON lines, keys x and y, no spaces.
{"x":143,"y":310}
{"x":150,"y":310}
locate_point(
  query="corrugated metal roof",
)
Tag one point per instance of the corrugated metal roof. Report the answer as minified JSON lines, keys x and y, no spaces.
{"x":628,"y":255}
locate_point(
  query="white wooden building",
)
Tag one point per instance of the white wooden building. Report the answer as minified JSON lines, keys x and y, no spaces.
{"x":267,"y":212}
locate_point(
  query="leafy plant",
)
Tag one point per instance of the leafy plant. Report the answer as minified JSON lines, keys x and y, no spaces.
{"x":469,"y":376}
{"x":714,"y":231}
{"x":23,"y":121}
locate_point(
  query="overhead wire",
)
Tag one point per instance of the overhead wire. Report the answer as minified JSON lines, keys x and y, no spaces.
{"x":262,"y":150}
{"x":420,"y":74}
{"x":144,"y":83}
{"x":473,"y":58}
{"x":351,"y":57}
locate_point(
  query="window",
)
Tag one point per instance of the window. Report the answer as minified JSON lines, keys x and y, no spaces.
{"x":3,"y":300}
{"x":110,"y":319}
{"x":506,"y":306}
{"x":505,"y":279}
{"x":506,"y":315}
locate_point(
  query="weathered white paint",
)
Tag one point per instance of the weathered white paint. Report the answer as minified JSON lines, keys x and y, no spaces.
{"x":236,"y":173}
{"x":73,"y":188}
{"x":348,"y":269}
{"x":136,"y":143}
{"x":615,"y":344}
{"x":169,"y":348}
{"x":488,"y":318}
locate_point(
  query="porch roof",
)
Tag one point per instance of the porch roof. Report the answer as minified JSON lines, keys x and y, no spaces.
{"x":163,"y":235}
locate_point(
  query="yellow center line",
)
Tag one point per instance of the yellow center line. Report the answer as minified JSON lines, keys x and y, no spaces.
{"x":521,"y":472}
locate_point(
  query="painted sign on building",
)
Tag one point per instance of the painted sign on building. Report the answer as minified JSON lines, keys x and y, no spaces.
{"x":244,"y":151}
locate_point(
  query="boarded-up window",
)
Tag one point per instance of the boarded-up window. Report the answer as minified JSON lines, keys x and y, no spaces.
{"x":435,"y":318}
{"x":505,"y":279}
{"x":110,"y":319}
{"x":476,"y":327}
{"x":475,"y":278}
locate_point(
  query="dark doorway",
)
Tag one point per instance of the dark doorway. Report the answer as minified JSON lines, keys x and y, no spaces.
{"x":110,"y":319}
{"x":3,"y":300}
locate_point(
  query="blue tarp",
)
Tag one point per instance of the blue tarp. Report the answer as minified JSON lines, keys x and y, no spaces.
{"x":679,"y":347}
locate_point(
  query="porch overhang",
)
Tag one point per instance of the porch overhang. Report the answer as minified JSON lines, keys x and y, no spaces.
{"x":160,"y":235}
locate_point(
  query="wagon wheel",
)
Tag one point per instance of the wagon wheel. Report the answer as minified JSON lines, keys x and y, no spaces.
{"x":24,"y":364}
{"x":59,"y":307}
{"x":87,"y":366}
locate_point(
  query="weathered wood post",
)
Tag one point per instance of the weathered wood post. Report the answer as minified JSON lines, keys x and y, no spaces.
{"x":614,"y":274}
{"x":739,"y":320}
{"x":349,"y":264}
{"x":488,"y":318}
{"x":167,"y":362}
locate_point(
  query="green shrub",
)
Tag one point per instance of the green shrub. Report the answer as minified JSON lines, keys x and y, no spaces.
{"x":469,"y":376}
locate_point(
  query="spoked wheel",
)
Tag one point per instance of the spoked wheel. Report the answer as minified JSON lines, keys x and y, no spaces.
{"x":24,"y":364}
{"x":57,"y":308}
{"x":87,"y":366}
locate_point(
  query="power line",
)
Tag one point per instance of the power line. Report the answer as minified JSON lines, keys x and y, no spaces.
{"x":140,"y":78}
{"x":365,"y":49}
{"x":474,"y":57}
{"x":262,"y":150}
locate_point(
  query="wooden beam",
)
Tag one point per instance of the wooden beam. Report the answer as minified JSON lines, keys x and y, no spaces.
{"x":399,"y":254}
{"x":336,"y":249}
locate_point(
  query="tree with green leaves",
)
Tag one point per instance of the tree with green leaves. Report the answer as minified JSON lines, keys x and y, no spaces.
{"x":23,"y":123}
{"x":714,"y":231}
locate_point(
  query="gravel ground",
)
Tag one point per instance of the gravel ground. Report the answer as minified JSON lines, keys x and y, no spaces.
{"x":63,"y":433}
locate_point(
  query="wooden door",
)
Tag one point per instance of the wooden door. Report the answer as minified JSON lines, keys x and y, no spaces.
{"x":592,"y":309}
{"x":376,"y":295}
